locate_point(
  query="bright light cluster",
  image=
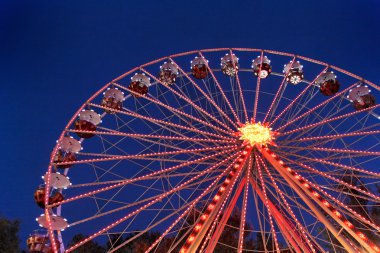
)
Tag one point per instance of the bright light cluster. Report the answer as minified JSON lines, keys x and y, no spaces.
{"x":256,"y":133}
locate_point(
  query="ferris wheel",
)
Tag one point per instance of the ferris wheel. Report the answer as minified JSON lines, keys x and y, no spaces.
{"x":179,"y":144}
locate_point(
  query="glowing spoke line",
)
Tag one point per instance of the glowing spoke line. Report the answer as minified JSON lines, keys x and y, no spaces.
{"x":337,"y":150}
{"x":148,"y":136}
{"x":175,"y":211}
{"x":334,"y":136}
{"x":192,"y":205}
{"x":227,"y":213}
{"x":318,"y":106}
{"x":220,"y":88}
{"x":373,"y":173}
{"x":240,"y":90}
{"x":305,"y":188}
{"x":157,"y":199}
{"x":142,"y":156}
{"x":330,"y":120}
{"x":279,"y":218}
{"x":244,"y":209}
{"x":135,"y":203}
{"x":156,"y":121}
{"x":266,"y":202}
{"x":204,"y":94}
{"x":290,"y":211}
{"x":128,"y":181}
{"x":257,"y":88}
{"x":373,"y":196}
{"x":299,"y":95}
{"x":172,"y":109}
{"x":188,"y":100}
{"x":278,"y":92}
{"x":352,"y":213}
{"x":204,"y":222}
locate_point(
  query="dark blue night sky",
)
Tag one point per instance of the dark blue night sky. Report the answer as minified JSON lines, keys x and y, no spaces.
{"x":55,"y":54}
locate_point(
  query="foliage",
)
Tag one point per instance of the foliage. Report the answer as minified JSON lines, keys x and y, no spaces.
{"x":9,"y":241}
{"x":90,"y":247}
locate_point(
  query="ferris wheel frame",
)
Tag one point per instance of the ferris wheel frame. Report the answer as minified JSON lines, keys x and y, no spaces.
{"x":266,"y":152}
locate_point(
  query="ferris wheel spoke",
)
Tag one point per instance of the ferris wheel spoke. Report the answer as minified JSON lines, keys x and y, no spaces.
{"x":220,"y":89}
{"x":175,"y":111}
{"x":266,"y":202}
{"x":339,"y":94}
{"x":206,"y":219}
{"x":303,"y":122}
{"x":302,"y":105}
{"x":288,"y":234}
{"x":138,"y":202}
{"x":155,"y":200}
{"x":189,"y":101}
{"x":279,"y":91}
{"x":335,"y":164}
{"x":329,"y":120}
{"x":205,"y":95}
{"x":192,"y":205}
{"x":349,"y":211}
{"x":191,"y":117}
{"x":303,"y":188}
{"x":340,"y":182}
{"x":304,"y":234}
{"x":299,"y":95}
{"x":240,"y":91}
{"x":337,"y":150}
{"x":312,"y":130}
{"x":158,"y":121}
{"x":132,"y":180}
{"x":175,"y":131}
{"x":187,"y":91}
{"x":161,"y":137}
{"x":98,"y":182}
{"x":256,"y":101}
{"x":345,"y":208}
{"x":217,"y":227}
{"x":108,"y":157}
{"x":244,"y":206}
{"x":185,"y":207}
{"x":336,"y":136}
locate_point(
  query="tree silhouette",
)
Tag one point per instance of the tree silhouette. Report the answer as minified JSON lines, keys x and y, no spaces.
{"x":9,"y":241}
{"x":89,"y":247}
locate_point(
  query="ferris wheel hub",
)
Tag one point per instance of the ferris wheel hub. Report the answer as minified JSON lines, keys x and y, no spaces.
{"x":256,"y":134}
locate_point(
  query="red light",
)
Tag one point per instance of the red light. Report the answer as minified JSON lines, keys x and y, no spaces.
{"x":362,"y":236}
{"x":349,"y":224}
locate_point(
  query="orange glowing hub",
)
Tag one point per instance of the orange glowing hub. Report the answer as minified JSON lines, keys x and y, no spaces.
{"x":256,"y":134}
